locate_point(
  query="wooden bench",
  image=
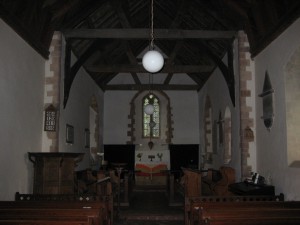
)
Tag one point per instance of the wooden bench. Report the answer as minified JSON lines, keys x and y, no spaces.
{"x":242,"y":210}
{"x":85,"y":208}
{"x":103,"y":203}
{"x":251,"y":213}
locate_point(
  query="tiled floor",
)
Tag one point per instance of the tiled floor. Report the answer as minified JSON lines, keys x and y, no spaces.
{"x":150,"y":207}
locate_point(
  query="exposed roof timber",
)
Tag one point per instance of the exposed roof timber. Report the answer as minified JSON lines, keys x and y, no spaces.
{"x":144,"y":34}
{"x":171,"y":58}
{"x":197,"y":79}
{"x":83,"y":14}
{"x":168,"y":78}
{"x":24,"y":32}
{"x":274,"y":31}
{"x":184,"y":6}
{"x":236,"y":6}
{"x":71,"y":71}
{"x":227,"y":71}
{"x":132,"y":60}
{"x":140,"y":69}
{"x":106,"y":80}
{"x":125,"y":23}
{"x":121,"y":14}
{"x":134,"y":87}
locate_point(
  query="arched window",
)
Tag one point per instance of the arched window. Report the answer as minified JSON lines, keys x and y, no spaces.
{"x":151,"y":123}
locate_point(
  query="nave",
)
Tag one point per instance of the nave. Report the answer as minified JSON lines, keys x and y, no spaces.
{"x":150,"y":206}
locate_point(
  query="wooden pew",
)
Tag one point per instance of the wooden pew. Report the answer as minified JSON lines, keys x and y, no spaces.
{"x":49,"y":212}
{"x":196,"y":183}
{"x":251,"y":213}
{"x":192,"y":182}
{"x":122,"y":185}
{"x":218,"y":181}
{"x":194,"y":204}
{"x":70,"y":201}
{"x":188,"y":185}
{"x":243,"y":210}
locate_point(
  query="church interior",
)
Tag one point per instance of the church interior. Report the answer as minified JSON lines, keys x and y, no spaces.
{"x":161,"y":112}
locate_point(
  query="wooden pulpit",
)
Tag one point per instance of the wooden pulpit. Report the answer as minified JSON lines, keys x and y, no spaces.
{"x":54,"y":172}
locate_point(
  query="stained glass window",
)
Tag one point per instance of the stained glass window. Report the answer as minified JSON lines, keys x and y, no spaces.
{"x":151,"y":123}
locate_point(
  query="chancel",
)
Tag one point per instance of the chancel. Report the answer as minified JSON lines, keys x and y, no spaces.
{"x":89,"y":133}
{"x":152,"y":165}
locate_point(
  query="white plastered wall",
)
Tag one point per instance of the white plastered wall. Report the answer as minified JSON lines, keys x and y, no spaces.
{"x":272,"y":145}
{"x":21,"y":113}
{"x":77,"y":114}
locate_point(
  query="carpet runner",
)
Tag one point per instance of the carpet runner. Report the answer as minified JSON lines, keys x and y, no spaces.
{"x":150,"y":207}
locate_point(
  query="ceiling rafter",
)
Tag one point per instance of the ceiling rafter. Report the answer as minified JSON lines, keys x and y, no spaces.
{"x":197,"y":79}
{"x":171,"y":58}
{"x":106,"y":79}
{"x":175,"y":23}
{"x":132,"y":87}
{"x":70,"y":72}
{"x":133,"y":61}
{"x":125,"y":23}
{"x":128,"y":68}
{"x":81,"y":14}
{"x":206,"y":28}
{"x":175,"y":34}
{"x":226,"y":70}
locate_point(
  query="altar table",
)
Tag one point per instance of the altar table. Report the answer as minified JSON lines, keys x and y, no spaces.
{"x":151,"y":174}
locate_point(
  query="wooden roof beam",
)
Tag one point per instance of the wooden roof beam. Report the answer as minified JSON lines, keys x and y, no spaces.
{"x":144,"y":34}
{"x":140,"y":69}
{"x":137,"y":87}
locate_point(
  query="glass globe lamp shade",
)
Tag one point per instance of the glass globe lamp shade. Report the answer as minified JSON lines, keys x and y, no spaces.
{"x":149,"y":109}
{"x":153,"y":61}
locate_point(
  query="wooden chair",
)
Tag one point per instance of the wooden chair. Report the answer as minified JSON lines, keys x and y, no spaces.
{"x":221,"y":187}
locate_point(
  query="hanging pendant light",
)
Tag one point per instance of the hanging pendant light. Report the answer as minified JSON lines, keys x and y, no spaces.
{"x":149,"y":109}
{"x":153,"y":61}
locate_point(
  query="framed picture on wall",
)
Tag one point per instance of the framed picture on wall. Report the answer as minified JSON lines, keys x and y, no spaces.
{"x":69,"y":134}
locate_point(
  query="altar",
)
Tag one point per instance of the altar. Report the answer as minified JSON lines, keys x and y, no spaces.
{"x":152,"y":166}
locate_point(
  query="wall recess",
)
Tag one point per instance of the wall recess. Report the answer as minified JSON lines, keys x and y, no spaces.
{"x":267,"y":102}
